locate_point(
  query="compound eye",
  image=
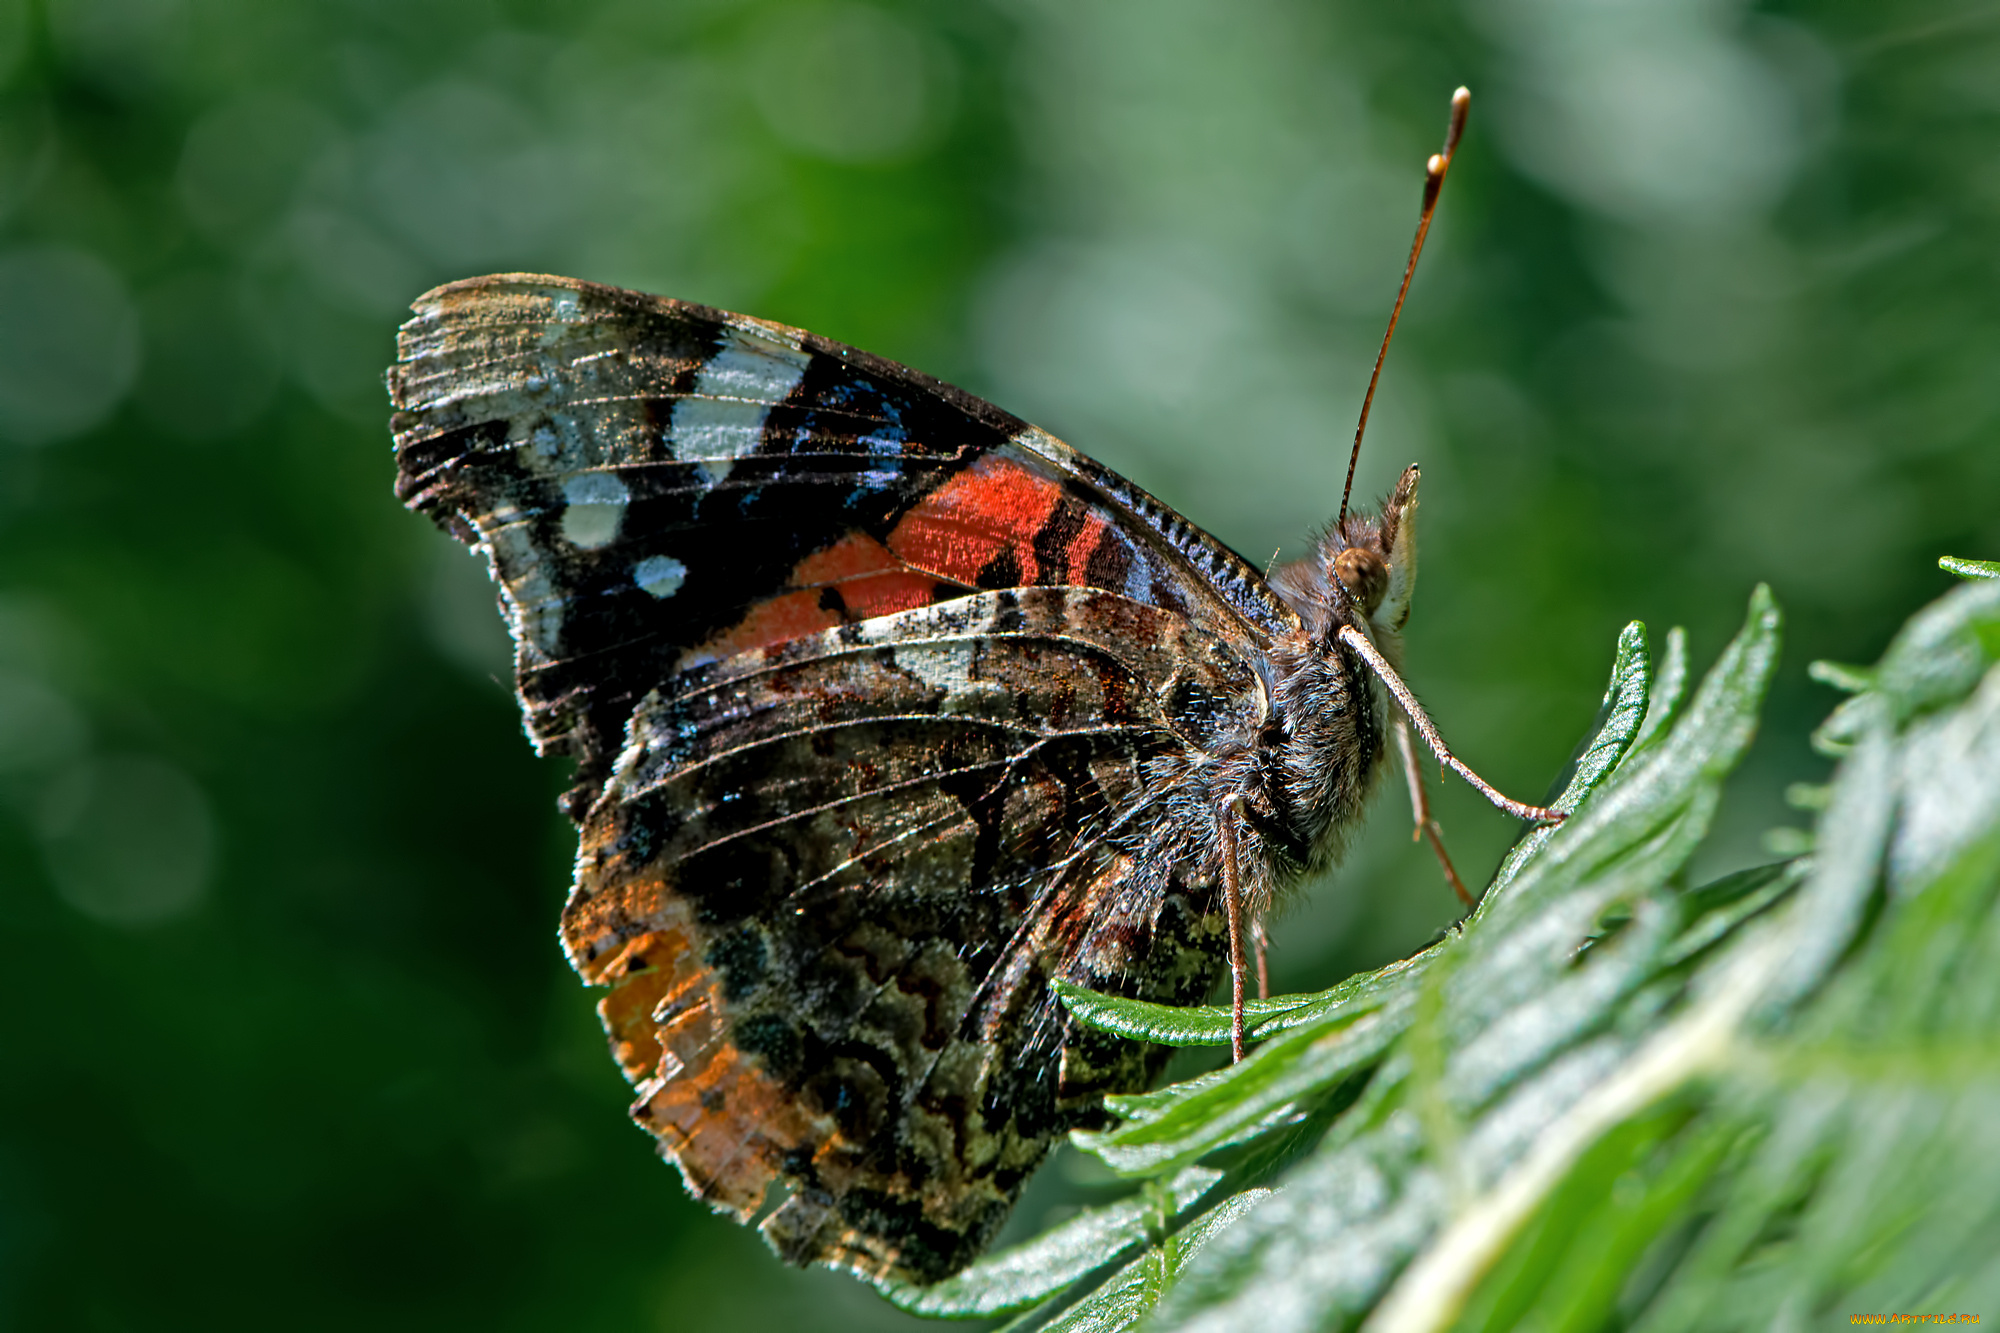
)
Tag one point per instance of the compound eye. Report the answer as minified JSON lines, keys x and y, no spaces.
{"x":1364,"y":574}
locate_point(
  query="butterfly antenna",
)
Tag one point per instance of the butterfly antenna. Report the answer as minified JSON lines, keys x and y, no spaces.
{"x":1461,"y":102}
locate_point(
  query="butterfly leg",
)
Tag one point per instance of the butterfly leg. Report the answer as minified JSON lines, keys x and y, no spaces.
{"x":1232,"y":903}
{"x":1420,"y":807}
{"x":1358,"y":643}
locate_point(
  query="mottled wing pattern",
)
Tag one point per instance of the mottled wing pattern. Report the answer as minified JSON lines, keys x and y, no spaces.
{"x":887,"y":709}
{"x":831,"y":879}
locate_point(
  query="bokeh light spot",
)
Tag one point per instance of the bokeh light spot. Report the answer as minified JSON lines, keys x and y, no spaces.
{"x":243,"y":160}
{"x":69,"y":343}
{"x":129,"y":840}
{"x":38,"y":727}
{"x":849,"y":83}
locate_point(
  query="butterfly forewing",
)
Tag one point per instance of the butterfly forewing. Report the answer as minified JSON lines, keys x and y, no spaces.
{"x":881,"y":702}
{"x":658,"y":483}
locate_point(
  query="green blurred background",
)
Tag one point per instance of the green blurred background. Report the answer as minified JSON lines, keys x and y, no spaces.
{"x":287,"y":1040}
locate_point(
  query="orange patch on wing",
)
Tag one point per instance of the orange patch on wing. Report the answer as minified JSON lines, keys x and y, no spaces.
{"x":727,"y":1123}
{"x":870,"y":579}
{"x":886,"y":594}
{"x":994,"y":506}
{"x":780,"y":619}
{"x":855,"y":556}
{"x":658,"y":967}
{"x":596,"y":929}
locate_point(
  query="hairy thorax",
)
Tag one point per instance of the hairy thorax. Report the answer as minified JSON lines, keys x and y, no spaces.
{"x":1321,"y":751}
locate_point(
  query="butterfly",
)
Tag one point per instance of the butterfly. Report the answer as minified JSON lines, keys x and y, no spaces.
{"x":887,"y":709}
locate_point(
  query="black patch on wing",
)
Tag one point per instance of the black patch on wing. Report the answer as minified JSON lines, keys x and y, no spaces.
{"x":599,"y":372}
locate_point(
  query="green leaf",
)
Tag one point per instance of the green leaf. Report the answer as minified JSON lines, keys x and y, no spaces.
{"x":1846,"y":679}
{"x":1659,"y":787}
{"x":1269,"y":1089}
{"x":1620,"y":714}
{"x":1027,"y":1274}
{"x":1209,"y":1025}
{"x":1629,"y":707}
{"x":1832,"y":1143}
{"x":1969,"y":569}
{"x":1130,"y":1294}
{"x":1943,"y":651}
{"x":1566,"y":1270}
{"x":1667,"y":691}
{"x":1714,"y":911}
{"x":1525,"y":1036}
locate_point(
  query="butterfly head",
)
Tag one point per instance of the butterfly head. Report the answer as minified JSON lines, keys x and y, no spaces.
{"x":1374,"y":557}
{"x":1366,"y":567}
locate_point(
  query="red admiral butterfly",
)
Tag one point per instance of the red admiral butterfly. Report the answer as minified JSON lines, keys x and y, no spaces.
{"x":887,"y":709}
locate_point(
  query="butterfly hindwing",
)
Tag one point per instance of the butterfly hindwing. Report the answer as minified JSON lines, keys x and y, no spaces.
{"x":829,"y":881}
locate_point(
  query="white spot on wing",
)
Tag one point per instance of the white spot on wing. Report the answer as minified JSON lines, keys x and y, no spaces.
{"x":948,"y":668}
{"x":943,"y":666}
{"x":563,"y":309}
{"x":546,"y":439}
{"x":597,"y":503}
{"x":660,"y":575}
{"x":723,"y":419}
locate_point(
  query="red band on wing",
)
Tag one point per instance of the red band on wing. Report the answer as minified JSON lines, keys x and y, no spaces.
{"x":854,"y":579}
{"x":871,"y":581}
{"x":792,"y":615}
{"x":998,"y":517}
{"x":994,"y":507}
{"x":1092,"y":534}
